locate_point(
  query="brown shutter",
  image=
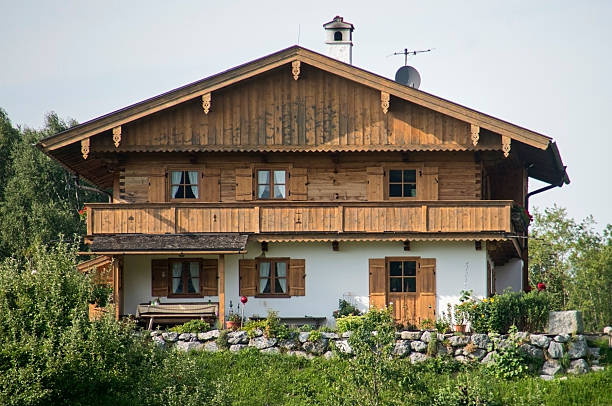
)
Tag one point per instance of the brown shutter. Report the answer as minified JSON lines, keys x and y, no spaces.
{"x":159,"y":277}
{"x":427,"y":289}
{"x":298,"y":181}
{"x":244,"y":184}
{"x":427,"y":188}
{"x":378,"y":283}
{"x":157,"y":189}
{"x":297,"y":277}
{"x":210,"y":185}
{"x":209,"y":285}
{"x":374,"y":190}
{"x":248,"y":277}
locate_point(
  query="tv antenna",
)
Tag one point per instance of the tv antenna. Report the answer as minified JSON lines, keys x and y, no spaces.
{"x":406,"y":52}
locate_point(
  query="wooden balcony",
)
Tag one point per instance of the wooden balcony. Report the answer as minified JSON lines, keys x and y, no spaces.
{"x":290,"y":217}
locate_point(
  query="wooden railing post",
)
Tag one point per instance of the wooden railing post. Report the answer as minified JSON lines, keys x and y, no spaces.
{"x":424,"y":218}
{"x":339,"y":218}
{"x":257,"y":222}
{"x":90,"y":224}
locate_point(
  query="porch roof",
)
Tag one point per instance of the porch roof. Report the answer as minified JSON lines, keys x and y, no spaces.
{"x":192,"y":243}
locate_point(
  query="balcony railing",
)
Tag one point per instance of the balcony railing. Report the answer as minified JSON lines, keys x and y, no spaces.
{"x":283,"y":217}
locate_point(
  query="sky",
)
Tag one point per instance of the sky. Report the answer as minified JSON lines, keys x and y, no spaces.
{"x":544,"y":65}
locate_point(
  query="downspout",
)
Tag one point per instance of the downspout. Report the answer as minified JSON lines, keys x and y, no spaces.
{"x":75,"y":177}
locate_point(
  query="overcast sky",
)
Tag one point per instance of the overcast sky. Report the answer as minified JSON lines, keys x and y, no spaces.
{"x":544,"y":65}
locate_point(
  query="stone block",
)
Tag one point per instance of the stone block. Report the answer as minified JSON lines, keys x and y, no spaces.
{"x":418,"y":346}
{"x":459,"y":341}
{"x":329,"y":336}
{"x":547,"y":377}
{"x":566,"y":322}
{"x":411,"y":335}
{"x":288,"y":344}
{"x":539,"y":340}
{"x":608,"y":330}
{"x":262,"y":342}
{"x":478,"y":354}
{"x":170,"y":336}
{"x":481,"y":341}
{"x":577,"y":348}
{"x":426,"y":336}
{"x":303,"y":336}
{"x":555,"y":350}
{"x":188,"y":345}
{"x":343,"y":346}
{"x":209,"y":335}
{"x":532,"y":351}
{"x":551,"y":367}
{"x":578,"y":367}
{"x":237,"y":347}
{"x":402,"y":348}
{"x":211,"y":346}
{"x":562,"y":338}
{"x":490,"y":357}
{"x":417,"y":357}
{"x":238,"y":337}
{"x":271,"y":350}
{"x":185,"y":337}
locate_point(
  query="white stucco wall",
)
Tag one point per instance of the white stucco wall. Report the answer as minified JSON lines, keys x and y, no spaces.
{"x":330,"y":275}
{"x":509,"y":275}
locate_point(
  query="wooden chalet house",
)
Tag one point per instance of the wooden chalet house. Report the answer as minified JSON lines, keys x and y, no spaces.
{"x":297,"y":180}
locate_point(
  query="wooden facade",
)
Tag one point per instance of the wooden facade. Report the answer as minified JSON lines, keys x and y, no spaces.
{"x":337,"y":133}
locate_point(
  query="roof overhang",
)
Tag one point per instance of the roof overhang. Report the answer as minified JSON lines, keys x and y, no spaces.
{"x":172,"y":244}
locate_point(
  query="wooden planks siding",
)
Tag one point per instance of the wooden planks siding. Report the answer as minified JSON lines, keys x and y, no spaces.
{"x":249,"y":217}
{"x":320,"y":111}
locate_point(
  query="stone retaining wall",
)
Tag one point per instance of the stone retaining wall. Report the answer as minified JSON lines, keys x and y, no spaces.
{"x":554,"y":350}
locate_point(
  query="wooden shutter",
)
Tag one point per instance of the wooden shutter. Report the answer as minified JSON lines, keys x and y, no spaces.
{"x":211,"y":191}
{"x":157,"y":189}
{"x":244,"y":184}
{"x":427,"y":187}
{"x":378,"y":283}
{"x":159,"y":277}
{"x":375,"y":188}
{"x":298,"y":181}
{"x":209,"y":285}
{"x":297,"y":277}
{"x":248,"y":277}
{"x":427,"y":289}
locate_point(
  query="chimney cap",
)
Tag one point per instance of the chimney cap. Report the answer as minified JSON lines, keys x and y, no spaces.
{"x":338,"y":22}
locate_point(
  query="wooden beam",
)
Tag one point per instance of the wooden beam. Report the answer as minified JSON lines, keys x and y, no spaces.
{"x":475,"y":131}
{"x":295,"y":69}
{"x":85,"y":147}
{"x":221,"y":271}
{"x":506,"y":145}
{"x":384,"y":101}
{"x":117,"y":136}
{"x":206,"y":99}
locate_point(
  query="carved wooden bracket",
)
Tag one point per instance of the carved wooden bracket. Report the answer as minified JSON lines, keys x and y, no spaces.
{"x":475,"y":131}
{"x":85,"y":147}
{"x":206,"y":102}
{"x":506,"y":145}
{"x":117,"y":136}
{"x":384,"y":101}
{"x":295,"y":69}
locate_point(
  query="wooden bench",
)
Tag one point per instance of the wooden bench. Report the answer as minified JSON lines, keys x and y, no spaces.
{"x":174,"y":313}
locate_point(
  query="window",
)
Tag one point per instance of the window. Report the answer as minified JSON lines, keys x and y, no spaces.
{"x":402,"y":276}
{"x":337,"y":36}
{"x":402,"y":183}
{"x":184,"y":184}
{"x":273,"y":275}
{"x":271,"y":184}
{"x":185,"y":278}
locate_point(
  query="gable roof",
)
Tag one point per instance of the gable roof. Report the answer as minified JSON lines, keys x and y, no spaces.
{"x":251,"y":69}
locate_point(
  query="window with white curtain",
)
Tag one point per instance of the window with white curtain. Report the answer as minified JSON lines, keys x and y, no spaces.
{"x":184,"y":184}
{"x":273,"y":276}
{"x":185,"y":278}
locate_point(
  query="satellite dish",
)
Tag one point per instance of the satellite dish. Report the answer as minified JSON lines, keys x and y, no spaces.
{"x":407,"y":75}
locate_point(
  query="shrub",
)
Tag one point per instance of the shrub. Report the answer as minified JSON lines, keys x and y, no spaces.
{"x":192,"y":326}
{"x":345,"y":309}
{"x":271,"y":327}
{"x":509,"y":361}
{"x":315,"y":335}
{"x":349,"y":323}
{"x":527,"y":311}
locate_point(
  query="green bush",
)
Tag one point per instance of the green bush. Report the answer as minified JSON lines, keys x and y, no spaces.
{"x":349,"y":323}
{"x":527,"y":311}
{"x":192,"y":326}
{"x":271,"y":327}
{"x":345,"y":309}
{"x":509,"y":362}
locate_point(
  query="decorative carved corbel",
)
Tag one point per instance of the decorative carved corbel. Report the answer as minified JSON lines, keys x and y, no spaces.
{"x":206,"y":102}
{"x":506,"y":145}
{"x":475,"y":131}
{"x":384,"y":101}
{"x":117,"y":136}
{"x":295,"y":69}
{"x":85,"y":147}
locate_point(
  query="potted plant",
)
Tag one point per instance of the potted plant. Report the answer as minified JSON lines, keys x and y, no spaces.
{"x":233,"y":321}
{"x":462,"y":311}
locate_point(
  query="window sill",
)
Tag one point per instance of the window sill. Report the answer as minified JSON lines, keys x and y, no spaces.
{"x":272,"y":296}
{"x":181,"y":296}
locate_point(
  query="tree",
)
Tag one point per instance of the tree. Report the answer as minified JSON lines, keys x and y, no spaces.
{"x":575,"y":263}
{"x":39,"y":199}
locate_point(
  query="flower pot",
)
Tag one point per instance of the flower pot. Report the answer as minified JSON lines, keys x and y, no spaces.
{"x":232,"y":325}
{"x":460,"y":328}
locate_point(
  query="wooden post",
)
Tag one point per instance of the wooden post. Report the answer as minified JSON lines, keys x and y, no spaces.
{"x":221,"y":291}
{"x":117,"y":285}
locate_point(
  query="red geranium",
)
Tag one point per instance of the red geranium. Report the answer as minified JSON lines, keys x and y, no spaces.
{"x":541,"y":286}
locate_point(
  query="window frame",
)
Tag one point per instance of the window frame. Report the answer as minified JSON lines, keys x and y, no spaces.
{"x":416,"y":276}
{"x":199,"y":172}
{"x":287,"y":261}
{"x":271,"y":183}
{"x":185,"y":276}
{"x":417,"y":184}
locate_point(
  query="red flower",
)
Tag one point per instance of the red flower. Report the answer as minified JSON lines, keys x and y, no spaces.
{"x":541,"y":286}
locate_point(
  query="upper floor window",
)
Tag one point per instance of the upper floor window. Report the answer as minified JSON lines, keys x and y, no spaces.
{"x":185,"y":278}
{"x":337,"y":36}
{"x":271,"y":184}
{"x":402,"y":183}
{"x":184,"y":184}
